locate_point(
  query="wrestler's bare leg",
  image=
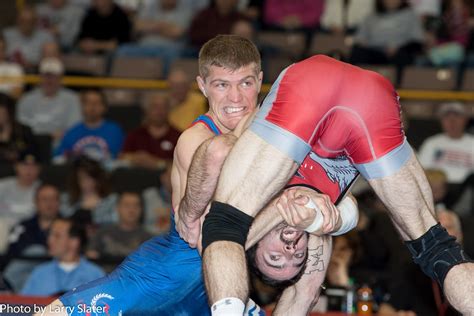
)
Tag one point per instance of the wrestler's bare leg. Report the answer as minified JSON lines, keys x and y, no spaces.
{"x":409,"y":200}
{"x":56,"y":308}
{"x":253,"y":172}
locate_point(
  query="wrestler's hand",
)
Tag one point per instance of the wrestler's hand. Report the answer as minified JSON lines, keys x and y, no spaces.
{"x":188,"y":229}
{"x":291,"y":206}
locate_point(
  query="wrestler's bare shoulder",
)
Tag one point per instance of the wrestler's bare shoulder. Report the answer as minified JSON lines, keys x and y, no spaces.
{"x":189,"y":141}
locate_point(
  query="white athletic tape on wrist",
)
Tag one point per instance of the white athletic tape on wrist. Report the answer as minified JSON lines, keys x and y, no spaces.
{"x":348,"y":212}
{"x":349,"y":216}
{"x":318,"y":220}
{"x":230,"y":306}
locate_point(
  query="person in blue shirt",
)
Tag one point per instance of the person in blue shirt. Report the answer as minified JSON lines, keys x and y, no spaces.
{"x":68,"y":269}
{"x":95,"y":137}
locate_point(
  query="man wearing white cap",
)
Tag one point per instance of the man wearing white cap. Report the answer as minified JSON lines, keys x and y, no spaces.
{"x":50,"y":108}
{"x":453,"y":150}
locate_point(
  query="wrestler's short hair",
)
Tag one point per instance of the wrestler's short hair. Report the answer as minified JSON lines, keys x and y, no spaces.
{"x":251,"y":254}
{"x":228,"y":51}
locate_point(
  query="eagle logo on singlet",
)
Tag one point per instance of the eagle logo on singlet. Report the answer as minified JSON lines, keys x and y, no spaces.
{"x":339,"y":170}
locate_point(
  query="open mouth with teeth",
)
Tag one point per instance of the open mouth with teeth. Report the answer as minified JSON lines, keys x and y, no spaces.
{"x":289,"y":235}
{"x":232,"y":109}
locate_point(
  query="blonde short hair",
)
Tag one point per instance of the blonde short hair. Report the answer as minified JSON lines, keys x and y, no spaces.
{"x":228,"y":51}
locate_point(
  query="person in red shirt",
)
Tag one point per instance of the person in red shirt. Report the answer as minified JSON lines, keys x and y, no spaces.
{"x":152,"y":144}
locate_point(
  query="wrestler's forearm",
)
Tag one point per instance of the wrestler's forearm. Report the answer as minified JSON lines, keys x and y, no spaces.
{"x":301,"y":297}
{"x":203,"y":175}
{"x":263,"y":223}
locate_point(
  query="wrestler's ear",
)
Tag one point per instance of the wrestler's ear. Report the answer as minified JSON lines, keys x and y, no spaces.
{"x":260,"y":79}
{"x":201,"y":85}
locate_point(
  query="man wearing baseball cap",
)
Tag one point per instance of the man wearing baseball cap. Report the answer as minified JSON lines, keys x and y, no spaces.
{"x":50,"y":108}
{"x":452,"y":150}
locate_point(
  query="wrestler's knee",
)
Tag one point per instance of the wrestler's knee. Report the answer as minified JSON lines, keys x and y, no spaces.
{"x":219,"y":147}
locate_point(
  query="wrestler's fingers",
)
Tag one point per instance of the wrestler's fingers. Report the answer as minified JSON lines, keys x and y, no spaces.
{"x":293,"y":215}
{"x":331,"y":214}
{"x":324,"y":211}
{"x":285,"y":207}
{"x":303,"y":213}
{"x":280,"y":205}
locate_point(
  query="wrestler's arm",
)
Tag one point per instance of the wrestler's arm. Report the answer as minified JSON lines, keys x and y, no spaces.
{"x":271,"y":215}
{"x":263,"y":223}
{"x":301,"y":297}
{"x":203,"y":175}
{"x":200,"y":157}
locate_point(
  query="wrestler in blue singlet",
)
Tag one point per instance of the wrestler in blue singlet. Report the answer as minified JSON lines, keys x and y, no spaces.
{"x":163,"y":277}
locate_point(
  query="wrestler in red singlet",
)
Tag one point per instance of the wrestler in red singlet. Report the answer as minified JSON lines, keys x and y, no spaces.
{"x":327,"y":114}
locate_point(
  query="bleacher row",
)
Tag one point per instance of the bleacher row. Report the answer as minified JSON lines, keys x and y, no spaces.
{"x":413,"y":77}
{"x":121,"y":179}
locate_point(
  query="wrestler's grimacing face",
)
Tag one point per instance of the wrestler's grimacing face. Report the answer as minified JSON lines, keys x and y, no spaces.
{"x":281,"y":254}
{"x":232,"y":94}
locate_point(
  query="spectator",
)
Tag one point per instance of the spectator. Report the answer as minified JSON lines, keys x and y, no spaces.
{"x":186,"y":104}
{"x":68,"y":269}
{"x":218,"y":18}
{"x":452,"y":223}
{"x":104,"y":27}
{"x":89,"y":199}
{"x":450,"y":151}
{"x":84,"y":5}
{"x":346,"y":251}
{"x":130,"y":7}
{"x":161,"y":26}
{"x":61,"y":19}
{"x":152,"y":145}
{"x":197,"y":5}
{"x":292,"y":15}
{"x":17,"y":193}
{"x":463,"y":204}
{"x":95,"y":137}
{"x":253,"y":12}
{"x":11,"y":71}
{"x":28,"y":238}
{"x":158,"y":204}
{"x":426,"y":8}
{"x":244,"y":29}
{"x":392,"y":35}
{"x":51,"y":50}
{"x":118,"y":240}
{"x":14,"y":137}
{"x":451,"y":37}
{"x":340,"y":16}
{"x":24,"y":41}
{"x":50,"y":109}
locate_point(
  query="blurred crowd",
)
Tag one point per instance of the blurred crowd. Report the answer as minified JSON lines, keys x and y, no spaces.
{"x":84,"y":181}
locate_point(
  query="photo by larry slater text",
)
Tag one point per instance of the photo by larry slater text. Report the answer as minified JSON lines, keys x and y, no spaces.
{"x":28,"y":309}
